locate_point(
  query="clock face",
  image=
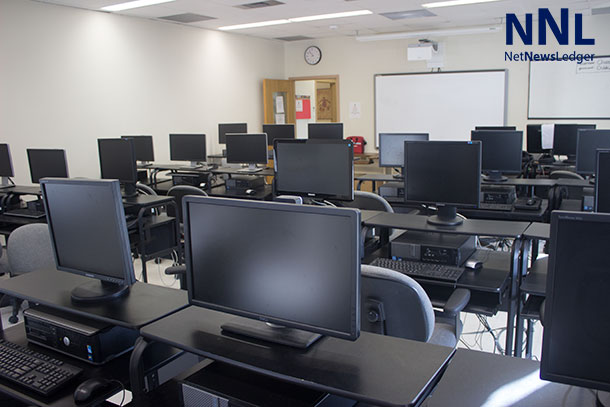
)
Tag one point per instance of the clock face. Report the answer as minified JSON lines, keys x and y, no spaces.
{"x":313,"y":55}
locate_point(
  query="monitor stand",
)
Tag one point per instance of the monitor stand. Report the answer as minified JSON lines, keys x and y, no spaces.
{"x":271,"y":332}
{"x":96,"y":291}
{"x":494,"y":176}
{"x":5,"y":183}
{"x":250,"y":169}
{"x":130,"y":190}
{"x":446,"y":216}
{"x":603,"y":398}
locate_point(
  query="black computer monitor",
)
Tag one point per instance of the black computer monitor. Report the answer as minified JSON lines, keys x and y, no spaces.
{"x":602,"y":182}
{"x":322,"y":169}
{"x":392,"y":147}
{"x":187,"y":147}
{"x":446,"y":174}
{"x":565,"y":139}
{"x":144,"y":147}
{"x":495,"y":128}
{"x":310,"y":280}
{"x":224,"y":128}
{"x":575,"y":347}
{"x":534,"y":139}
{"x":501,"y":152}
{"x":89,"y":235}
{"x":6,"y":166}
{"x":118,"y":161}
{"x":47,"y":163}
{"x":325,"y":131}
{"x":589,"y":141}
{"x":247,"y":149}
{"x":283,"y":131}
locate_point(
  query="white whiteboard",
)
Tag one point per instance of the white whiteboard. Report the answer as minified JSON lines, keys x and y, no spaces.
{"x":568,"y":90}
{"x":447,"y":105}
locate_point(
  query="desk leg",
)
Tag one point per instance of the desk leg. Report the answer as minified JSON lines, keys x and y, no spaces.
{"x":521,"y":298}
{"x":136,"y":371}
{"x":513,"y":296}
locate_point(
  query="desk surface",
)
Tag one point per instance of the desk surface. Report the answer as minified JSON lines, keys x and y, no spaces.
{"x":22,"y":190}
{"x":266,"y":172}
{"x":144,"y":304}
{"x":513,"y":215}
{"x":483,"y":379}
{"x":147,"y":200}
{"x":469,"y":227}
{"x":377,"y":177}
{"x":541,"y":231}
{"x":529,"y":182}
{"x":535,"y":280}
{"x":378,"y":369}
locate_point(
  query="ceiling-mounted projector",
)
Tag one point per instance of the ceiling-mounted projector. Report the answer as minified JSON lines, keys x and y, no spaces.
{"x":424,"y":50}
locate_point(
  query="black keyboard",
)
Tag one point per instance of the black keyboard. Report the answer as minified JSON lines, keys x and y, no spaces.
{"x":26,"y":213}
{"x":495,"y":206}
{"x":40,"y":373}
{"x":420,"y":269}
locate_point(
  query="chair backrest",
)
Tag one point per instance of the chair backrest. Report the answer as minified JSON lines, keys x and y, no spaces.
{"x":145,"y":189}
{"x":394,"y":304}
{"x":565,"y":174}
{"x":29,"y":249}
{"x":179,"y":192}
{"x":369,"y":201}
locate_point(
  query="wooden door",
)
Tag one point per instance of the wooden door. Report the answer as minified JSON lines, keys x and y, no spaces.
{"x":278,"y":101}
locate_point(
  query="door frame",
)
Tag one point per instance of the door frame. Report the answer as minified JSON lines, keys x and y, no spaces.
{"x":322,"y":77}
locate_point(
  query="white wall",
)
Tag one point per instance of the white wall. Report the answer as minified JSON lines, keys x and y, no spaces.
{"x":70,"y":76}
{"x":356,"y":63}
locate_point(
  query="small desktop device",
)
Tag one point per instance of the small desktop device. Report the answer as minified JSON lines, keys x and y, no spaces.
{"x":602,"y":182}
{"x":575,"y":347}
{"x":589,"y":141}
{"x":143,"y":146}
{"x":188,"y":147}
{"x":118,"y":161}
{"x":248,"y":149}
{"x":225,"y":128}
{"x":392,"y":147}
{"x":317,"y":169}
{"x":89,"y":340}
{"x":89,"y":235}
{"x":278,"y":131}
{"x":501,"y":152}
{"x":6,"y":166}
{"x":430,"y":247}
{"x":47,"y":163}
{"x":325,"y":131}
{"x":446,"y":174}
{"x":309,"y":285}
{"x":565,"y":139}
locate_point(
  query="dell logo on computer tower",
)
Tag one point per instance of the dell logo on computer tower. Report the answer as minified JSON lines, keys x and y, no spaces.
{"x":561,"y":31}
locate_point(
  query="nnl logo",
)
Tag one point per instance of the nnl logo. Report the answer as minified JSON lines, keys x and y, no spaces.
{"x":546,"y":18}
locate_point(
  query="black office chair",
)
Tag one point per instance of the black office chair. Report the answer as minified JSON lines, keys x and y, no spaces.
{"x":565,"y":174}
{"x":396,"y":305}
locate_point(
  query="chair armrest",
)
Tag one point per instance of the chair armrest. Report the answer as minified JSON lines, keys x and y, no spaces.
{"x":181,"y":269}
{"x":457,"y":302}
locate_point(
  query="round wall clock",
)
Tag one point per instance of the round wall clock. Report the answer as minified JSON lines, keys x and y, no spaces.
{"x":313,"y":55}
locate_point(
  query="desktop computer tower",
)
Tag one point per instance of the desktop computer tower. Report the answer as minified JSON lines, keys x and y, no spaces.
{"x":498,"y":194}
{"x":221,"y":385}
{"x":392,"y":189}
{"x":430,"y":247}
{"x":193,"y":179}
{"x":241,"y":183}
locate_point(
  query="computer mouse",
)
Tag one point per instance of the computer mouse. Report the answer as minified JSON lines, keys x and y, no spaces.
{"x":473,"y":264}
{"x":250,"y":191}
{"x":530,"y":202}
{"x":90,"y":389}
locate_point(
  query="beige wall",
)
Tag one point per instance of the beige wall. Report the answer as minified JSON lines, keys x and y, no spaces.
{"x":70,"y":76}
{"x":356,"y":63}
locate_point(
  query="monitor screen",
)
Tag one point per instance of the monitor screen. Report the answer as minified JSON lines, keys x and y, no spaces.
{"x":282,"y":131}
{"x":314,"y":168}
{"x":534,"y":139}
{"x":576,"y":326}
{"x":495,"y":128}
{"x":443,"y":172}
{"x":565,"y":137}
{"x":118,"y":160}
{"x":501,"y":150}
{"x":246,"y":148}
{"x":392,"y":147}
{"x":88,"y":229}
{"x":47,"y":163}
{"x":309,"y":281}
{"x":6,"y":165}
{"x":187,"y":147}
{"x":325,"y":131}
{"x":602,"y":182}
{"x":589,"y":141}
{"x":143,"y":146}
{"x":224,"y":128}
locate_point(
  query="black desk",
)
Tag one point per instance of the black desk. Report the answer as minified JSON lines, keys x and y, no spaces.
{"x":483,"y":379}
{"x":514,"y":214}
{"x":478,"y":227}
{"x":541,"y":231}
{"x":144,"y":304}
{"x":265,"y":172}
{"x":22,"y":190}
{"x":377,"y":369}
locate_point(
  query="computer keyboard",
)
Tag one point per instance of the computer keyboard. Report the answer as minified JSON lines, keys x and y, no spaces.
{"x":40,"y":373}
{"x":419,"y":269}
{"x":496,"y":206}
{"x":26,"y":213}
